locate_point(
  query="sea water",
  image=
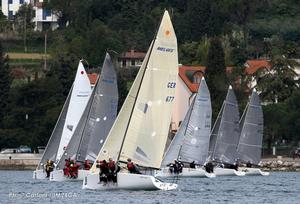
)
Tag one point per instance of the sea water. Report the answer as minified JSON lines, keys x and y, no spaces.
{"x":279,"y":187}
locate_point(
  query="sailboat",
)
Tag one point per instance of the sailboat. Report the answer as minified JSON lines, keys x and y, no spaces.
{"x":190,"y":144}
{"x":250,"y":143}
{"x":142,"y":125}
{"x":224,"y":137}
{"x":68,"y":119}
{"x":94,"y":125}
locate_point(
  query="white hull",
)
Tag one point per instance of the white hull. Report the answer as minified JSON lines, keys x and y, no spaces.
{"x":39,"y":174}
{"x":127,"y":181}
{"x":58,"y":175}
{"x":227,"y":172}
{"x":253,"y":171}
{"x":186,"y":172}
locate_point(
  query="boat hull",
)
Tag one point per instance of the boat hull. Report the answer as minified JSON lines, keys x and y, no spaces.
{"x":253,"y":171}
{"x":127,"y":181}
{"x":227,"y":172}
{"x":186,"y":172}
{"x":58,"y":175}
{"x":39,"y":174}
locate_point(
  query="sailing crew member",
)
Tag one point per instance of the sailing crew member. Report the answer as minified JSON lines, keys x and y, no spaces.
{"x":113,"y":170}
{"x":171,"y":167}
{"x":178,"y":167}
{"x":67,"y":168}
{"x":49,"y":167}
{"x":209,"y":167}
{"x":192,"y":165}
{"x":103,"y":173}
{"x":249,"y":165}
{"x":132,"y":168}
{"x":87,"y":165}
{"x":74,"y":170}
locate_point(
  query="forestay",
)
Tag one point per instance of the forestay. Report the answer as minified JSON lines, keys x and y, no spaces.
{"x":192,"y":139}
{"x":52,"y":146}
{"x":226,"y":130}
{"x":250,"y":143}
{"x":79,"y":98}
{"x":143,"y":122}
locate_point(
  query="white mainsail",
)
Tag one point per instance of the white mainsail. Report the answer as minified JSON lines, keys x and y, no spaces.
{"x":79,"y":98}
{"x":141,"y":128}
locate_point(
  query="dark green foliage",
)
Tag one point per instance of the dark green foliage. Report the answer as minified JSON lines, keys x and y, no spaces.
{"x":244,"y":29}
{"x":5,"y":81}
{"x":215,"y":75}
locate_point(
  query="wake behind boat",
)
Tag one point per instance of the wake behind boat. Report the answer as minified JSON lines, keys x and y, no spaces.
{"x":190,"y":144}
{"x":141,"y":128}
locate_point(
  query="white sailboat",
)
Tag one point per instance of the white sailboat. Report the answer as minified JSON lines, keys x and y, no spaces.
{"x":67,"y":122}
{"x":224,"y":138}
{"x":191,"y":141}
{"x":250,"y":143}
{"x":141,"y":128}
{"x":94,"y":125}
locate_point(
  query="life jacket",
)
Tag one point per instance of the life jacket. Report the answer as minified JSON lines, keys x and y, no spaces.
{"x":112,"y":166}
{"x":130,"y":166}
{"x":87,"y":166}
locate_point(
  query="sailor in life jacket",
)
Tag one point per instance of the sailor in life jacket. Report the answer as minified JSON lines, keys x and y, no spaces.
{"x":87,"y":165}
{"x":132,"y":168}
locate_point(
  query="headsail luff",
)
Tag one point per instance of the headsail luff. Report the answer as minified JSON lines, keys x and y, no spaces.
{"x":228,"y":131}
{"x":79,"y":98}
{"x":52,"y":145}
{"x":148,"y":104}
{"x":251,"y":123}
{"x":192,"y":139}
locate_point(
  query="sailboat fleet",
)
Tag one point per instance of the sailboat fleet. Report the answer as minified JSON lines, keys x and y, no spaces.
{"x":89,"y":130}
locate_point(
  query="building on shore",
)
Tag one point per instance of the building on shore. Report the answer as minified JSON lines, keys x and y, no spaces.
{"x":43,"y":18}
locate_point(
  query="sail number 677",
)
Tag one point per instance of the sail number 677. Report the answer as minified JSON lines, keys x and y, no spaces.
{"x":170,"y":98}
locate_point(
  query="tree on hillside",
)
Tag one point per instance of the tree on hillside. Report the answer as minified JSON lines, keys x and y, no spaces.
{"x":279,"y":82}
{"x":5,"y":81}
{"x":275,"y":123}
{"x":216,"y":74}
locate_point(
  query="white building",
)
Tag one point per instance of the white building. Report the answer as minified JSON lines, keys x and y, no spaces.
{"x":44,"y":18}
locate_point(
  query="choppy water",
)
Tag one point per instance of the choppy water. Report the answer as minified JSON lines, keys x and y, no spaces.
{"x":18,"y":187}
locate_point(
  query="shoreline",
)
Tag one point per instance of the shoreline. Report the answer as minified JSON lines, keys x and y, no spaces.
{"x":25,"y":161}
